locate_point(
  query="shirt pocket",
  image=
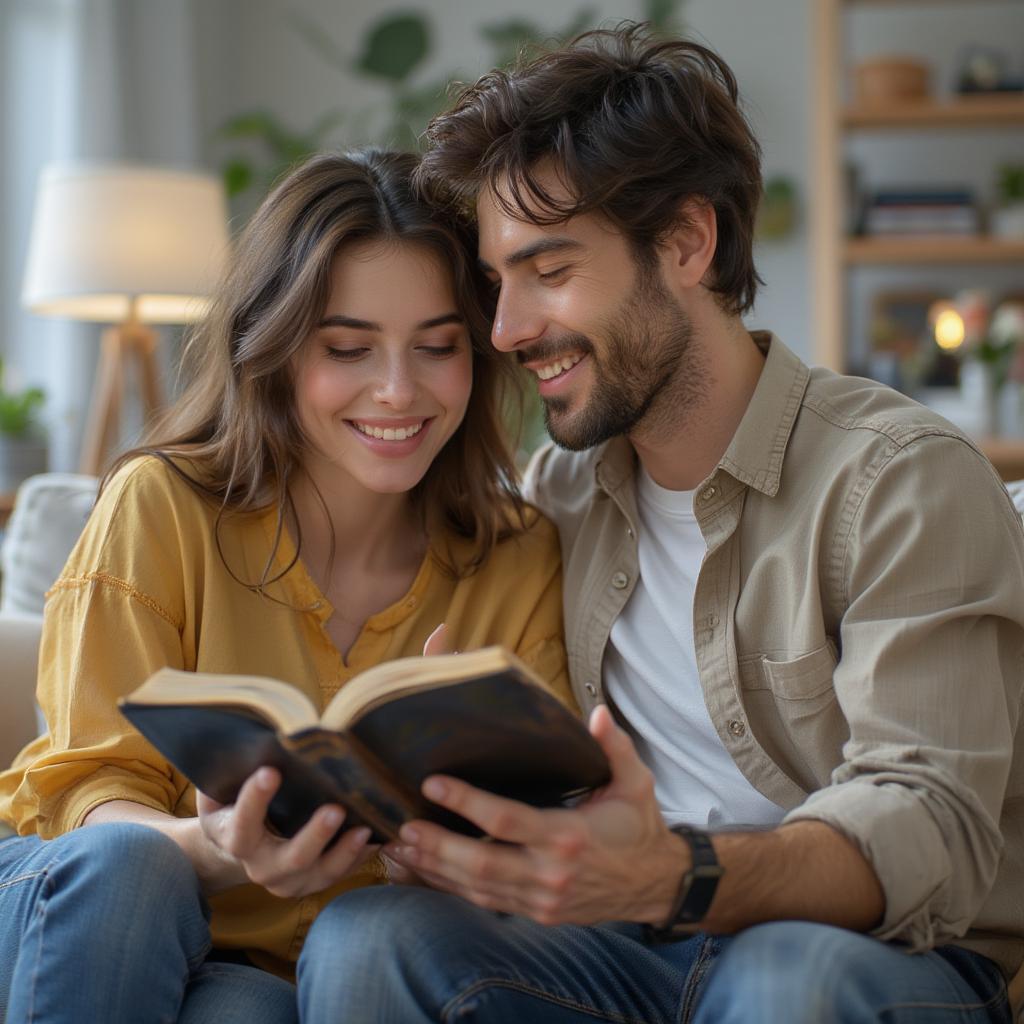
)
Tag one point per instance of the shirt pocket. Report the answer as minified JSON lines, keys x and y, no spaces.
{"x":796,"y":714}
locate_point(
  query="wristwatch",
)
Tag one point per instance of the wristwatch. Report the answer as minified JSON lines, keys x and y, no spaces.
{"x":696,"y":890}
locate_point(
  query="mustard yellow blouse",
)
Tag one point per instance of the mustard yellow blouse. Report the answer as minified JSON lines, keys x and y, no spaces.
{"x":146,"y":586}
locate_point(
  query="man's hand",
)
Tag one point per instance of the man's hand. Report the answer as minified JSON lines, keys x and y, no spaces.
{"x":611,"y":858}
{"x":244,"y":851}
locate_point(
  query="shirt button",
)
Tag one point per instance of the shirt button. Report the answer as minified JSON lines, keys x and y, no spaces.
{"x":316,"y":606}
{"x":736,"y":727}
{"x":629,"y":531}
{"x":708,"y":493}
{"x":591,"y":689}
{"x":620,"y":581}
{"x":712,"y":620}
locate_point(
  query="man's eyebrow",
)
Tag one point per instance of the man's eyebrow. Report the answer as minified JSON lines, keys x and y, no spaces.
{"x":528,"y":252}
{"x":340,"y":320}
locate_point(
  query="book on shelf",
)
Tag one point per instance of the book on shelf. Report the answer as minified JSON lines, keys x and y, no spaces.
{"x":921,"y":212}
{"x":481,"y":716}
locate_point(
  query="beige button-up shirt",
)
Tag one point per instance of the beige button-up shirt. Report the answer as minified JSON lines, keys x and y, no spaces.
{"x":859,"y":629}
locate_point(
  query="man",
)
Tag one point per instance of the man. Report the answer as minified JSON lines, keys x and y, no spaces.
{"x":799,"y":595}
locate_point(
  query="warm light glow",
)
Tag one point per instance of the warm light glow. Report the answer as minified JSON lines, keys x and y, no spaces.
{"x":949,"y":330}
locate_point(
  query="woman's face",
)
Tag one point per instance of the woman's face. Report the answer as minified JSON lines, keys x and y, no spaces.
{"x":383,"y":381}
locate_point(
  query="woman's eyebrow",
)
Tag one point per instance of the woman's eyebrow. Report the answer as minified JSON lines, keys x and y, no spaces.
{"x":340,"y":320}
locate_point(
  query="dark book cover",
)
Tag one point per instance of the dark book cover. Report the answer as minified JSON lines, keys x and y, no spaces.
{"x":494,"y":731}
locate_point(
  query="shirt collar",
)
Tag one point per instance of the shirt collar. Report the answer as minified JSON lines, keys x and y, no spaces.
{"x":758,"y":447}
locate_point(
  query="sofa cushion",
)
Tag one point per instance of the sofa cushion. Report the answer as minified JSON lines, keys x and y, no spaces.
{"x":49,"y":513}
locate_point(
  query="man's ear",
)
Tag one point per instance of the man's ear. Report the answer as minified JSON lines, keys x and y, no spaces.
{"x":689,"y":247}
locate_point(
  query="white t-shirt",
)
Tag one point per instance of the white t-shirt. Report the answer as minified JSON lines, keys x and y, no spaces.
{"x":650,"y":674}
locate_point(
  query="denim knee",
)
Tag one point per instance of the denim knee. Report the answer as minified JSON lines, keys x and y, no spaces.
{"x":142,"y":858}
{"x":793,"y":971}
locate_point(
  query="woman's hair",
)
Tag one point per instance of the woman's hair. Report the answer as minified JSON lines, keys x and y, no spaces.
{"x":633,"y":125}
{"x":236,"y":425}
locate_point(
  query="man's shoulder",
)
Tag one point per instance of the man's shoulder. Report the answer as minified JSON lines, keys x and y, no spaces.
{"x":872,"y":412}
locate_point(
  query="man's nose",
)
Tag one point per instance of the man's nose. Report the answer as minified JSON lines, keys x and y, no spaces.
{"x":516,"y":321}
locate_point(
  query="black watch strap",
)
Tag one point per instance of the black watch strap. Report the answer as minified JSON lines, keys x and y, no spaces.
{"x":696,"y":889}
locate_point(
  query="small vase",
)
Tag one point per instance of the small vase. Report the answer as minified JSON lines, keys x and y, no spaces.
{"x":978,"y":389}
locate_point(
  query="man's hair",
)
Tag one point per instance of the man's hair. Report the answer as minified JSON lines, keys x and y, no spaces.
{"x":633,"y":126}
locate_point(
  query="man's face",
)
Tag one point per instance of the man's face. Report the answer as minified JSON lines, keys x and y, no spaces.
{"x":611,"y":346}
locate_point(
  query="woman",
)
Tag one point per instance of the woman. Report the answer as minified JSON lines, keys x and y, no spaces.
{"x":332,"y":485}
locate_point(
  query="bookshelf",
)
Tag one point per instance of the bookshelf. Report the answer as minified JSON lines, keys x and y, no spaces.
{"x":835,"y":255}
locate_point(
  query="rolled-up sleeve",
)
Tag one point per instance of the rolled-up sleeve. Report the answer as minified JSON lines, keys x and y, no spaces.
{"x":930,"y":555}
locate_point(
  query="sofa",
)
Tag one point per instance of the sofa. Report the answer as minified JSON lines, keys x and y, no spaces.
{"x":49,"y":512}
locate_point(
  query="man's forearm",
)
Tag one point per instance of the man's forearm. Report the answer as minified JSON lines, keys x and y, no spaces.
{"x":805,"y":871}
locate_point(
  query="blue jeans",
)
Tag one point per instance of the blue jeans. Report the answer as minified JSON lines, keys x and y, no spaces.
{"x":107,"y":924}
{"x":413,"y":956}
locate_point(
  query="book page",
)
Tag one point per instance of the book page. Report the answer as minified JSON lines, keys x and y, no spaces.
{"x":385,"y":682}
{"x":284,"y":706}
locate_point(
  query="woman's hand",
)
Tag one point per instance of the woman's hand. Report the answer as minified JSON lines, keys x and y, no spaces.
{"x":245,"y":851}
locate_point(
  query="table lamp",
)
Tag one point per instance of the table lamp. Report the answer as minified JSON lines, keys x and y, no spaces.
{"x":128,"y":246}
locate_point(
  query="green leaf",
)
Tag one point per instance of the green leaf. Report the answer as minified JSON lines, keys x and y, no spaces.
{"x":237,"y":175}
{"x":509,"y":38}
{"x":256,"y":124}
{"x":394,"y":46}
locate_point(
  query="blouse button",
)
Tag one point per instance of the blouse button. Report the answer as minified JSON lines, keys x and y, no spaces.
{"x":736,"y":727}
{"x":591,"y":689}
{"x":620,"y":581}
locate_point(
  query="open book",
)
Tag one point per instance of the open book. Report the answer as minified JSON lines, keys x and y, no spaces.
{"x":482,"y":716}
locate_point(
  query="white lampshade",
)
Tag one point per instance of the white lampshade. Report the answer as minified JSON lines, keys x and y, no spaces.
{"x":104,"y":236}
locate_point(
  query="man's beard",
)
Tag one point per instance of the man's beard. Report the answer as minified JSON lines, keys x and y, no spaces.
{"x":650,"y":374}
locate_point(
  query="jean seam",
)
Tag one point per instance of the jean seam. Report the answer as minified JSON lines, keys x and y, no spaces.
{"x":1000,"y":997}
{"x":22,"y":878}
{"x":43,"y":904}
{"x":453,"y":1004}
{"x":694,"y":979}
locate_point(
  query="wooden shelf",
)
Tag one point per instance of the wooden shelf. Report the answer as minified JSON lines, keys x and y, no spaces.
{"x":916,"y":3}
{"x":980,"y":111}
{"x":1006,"y":454}
{"x":932,"y":249}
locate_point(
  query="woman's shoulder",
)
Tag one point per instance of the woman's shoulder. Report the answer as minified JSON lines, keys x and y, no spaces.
{"x":530,"y":543}
{"x":153,"y":481}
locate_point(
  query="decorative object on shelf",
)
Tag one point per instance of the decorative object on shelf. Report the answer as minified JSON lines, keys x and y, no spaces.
{"x":884,"y":79}
{"x":902,"y":353}
{"x":23,"y":448}
{"x":989,"y":345}
{"x":129,"y":246}
{"x":921,"y":211}
{"x":1007,"y":219}
{"x":984,"y":69}
{"x":776,"y":217}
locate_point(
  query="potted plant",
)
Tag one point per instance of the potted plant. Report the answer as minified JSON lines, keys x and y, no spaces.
{"x":22,"y":442}
{"x":1008,"y":216}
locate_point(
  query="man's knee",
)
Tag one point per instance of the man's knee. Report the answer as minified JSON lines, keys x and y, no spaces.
{"x":378,"y":922}
{"x":792,"y":970}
